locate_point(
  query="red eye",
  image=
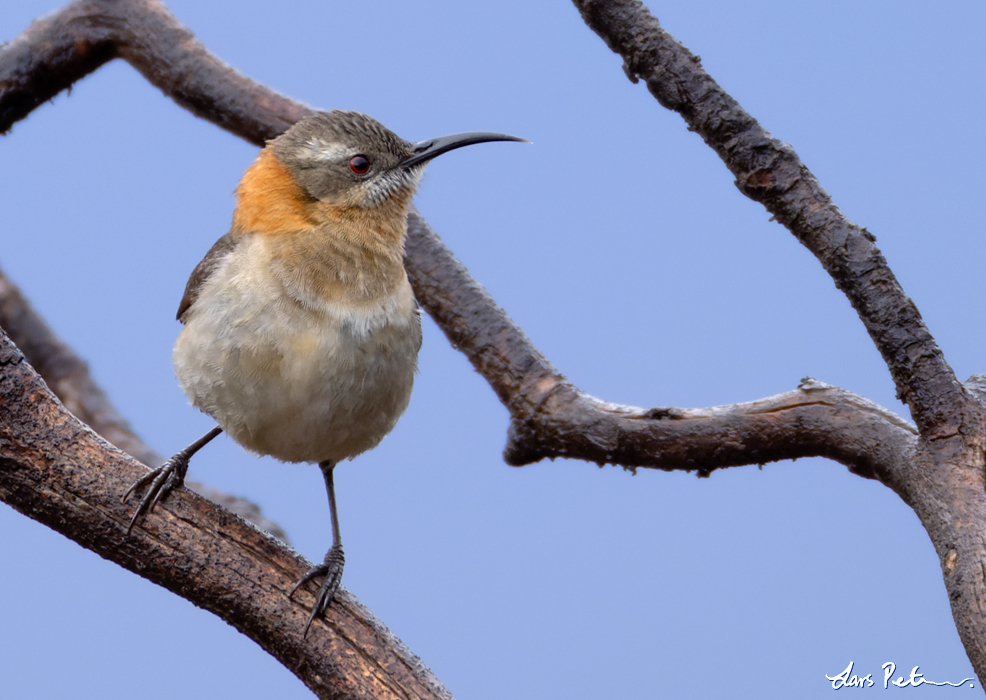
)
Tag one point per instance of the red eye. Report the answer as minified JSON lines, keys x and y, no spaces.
{"x":359,"y":164}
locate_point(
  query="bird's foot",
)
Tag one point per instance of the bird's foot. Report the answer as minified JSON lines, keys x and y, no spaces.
{"x":331,"y":569}
{"x":160,"y":483}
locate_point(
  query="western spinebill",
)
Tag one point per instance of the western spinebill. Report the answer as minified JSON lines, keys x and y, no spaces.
{"x":301,"y":332}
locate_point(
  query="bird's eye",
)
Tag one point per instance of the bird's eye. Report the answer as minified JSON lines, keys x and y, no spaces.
{"x":359,"y":164}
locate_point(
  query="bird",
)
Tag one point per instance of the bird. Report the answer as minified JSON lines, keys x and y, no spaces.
{"x":300,"y":330}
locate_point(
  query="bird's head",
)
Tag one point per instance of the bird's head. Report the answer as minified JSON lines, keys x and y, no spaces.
{"x":349,"y":160}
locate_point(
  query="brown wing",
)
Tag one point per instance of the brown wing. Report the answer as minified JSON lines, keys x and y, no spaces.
{"x":223,"y":247}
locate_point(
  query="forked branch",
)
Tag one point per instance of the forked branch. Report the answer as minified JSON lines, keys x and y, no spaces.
{"x":62,"y":474}
{"x":769,"y":171}
{"x":145,"y":34}
{"x":550,"y":417}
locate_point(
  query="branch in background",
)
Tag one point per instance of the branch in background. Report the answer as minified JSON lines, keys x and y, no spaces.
{"x":61,"y":48}
{"x":67,"y":375}
{"x":145,"y":34}
{"x":549,"y":416}
{"x":769,"y":171}
{"x":941,"y":476}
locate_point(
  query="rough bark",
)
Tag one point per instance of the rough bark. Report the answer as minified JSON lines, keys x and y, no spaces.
{"x":68,"y":377}
{"x":941,"y":474}
{"x":55,"y":470}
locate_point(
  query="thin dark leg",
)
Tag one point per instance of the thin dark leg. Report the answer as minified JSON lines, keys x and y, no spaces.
{"x":166,"y":478}
{"x":331,"y":567}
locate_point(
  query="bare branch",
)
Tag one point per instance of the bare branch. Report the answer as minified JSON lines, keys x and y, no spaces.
{"x":60,"y":473}
{"x":57,"y":50}
{"x":66,"y":373}
{"x":941,"y":476}
{"x":769,"y":171}
{"x":68,"y":377}
{"x":149,"y":37}
{"x":814,"y":420}
{"x":549,"y":416}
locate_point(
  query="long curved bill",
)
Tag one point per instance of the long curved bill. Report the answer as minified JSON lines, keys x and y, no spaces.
{"x":423,"y":151}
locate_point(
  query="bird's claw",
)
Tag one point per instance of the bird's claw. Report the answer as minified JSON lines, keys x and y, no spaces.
{"x":160,"y":483}
{"x":331,"y":569}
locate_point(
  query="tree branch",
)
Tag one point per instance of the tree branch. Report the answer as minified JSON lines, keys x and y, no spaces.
{"x":55,"y":470}
{"x":769,"y":171}
{"x":65,"y":46}
{"x":68,"y":377}
{"x":66,"y":373}
{"x":550,"y":417}
{"x":59,"y":472}
{"x":940,"y":476}
{"x":145,"y":34}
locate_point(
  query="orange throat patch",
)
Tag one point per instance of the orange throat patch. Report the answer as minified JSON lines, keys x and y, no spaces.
{"x":270,"y":201}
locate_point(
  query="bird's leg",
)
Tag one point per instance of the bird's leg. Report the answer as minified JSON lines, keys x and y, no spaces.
{"x":331,"y":567}
{"x":165,"y":478}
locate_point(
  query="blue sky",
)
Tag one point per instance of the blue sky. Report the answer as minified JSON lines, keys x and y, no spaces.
{"x":620,"y":244}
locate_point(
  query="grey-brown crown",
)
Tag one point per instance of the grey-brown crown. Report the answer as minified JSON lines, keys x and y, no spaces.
{"x":350,"y":159}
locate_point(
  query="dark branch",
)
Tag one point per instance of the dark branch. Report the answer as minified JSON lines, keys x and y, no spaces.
{"x":474,"y":324}
{"x":46,"y":59}
{"x":549,"y":416}
{"x":150,"y":38}
{"x":541,"y":401}
{"x":67,"y":375}
{"x":57,"y":471}
{"x":814,"y":420}
{"x":57,"y":50}
{"x":769,"y":171}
